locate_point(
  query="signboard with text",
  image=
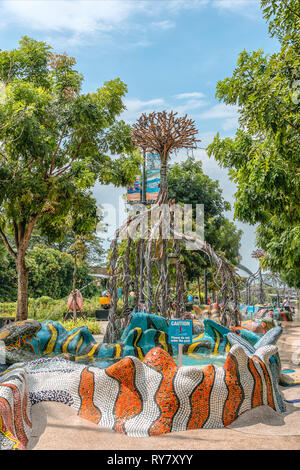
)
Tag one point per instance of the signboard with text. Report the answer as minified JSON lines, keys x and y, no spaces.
{"x":180,"y":331}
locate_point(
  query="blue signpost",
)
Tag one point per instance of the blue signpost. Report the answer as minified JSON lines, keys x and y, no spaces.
{"x":180,"y":332}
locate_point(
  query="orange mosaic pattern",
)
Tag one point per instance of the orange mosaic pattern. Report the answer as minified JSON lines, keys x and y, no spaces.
{"x":7,"y":417}
{"x":24,"y":404}
{"x":200,"y":399}
{"x":18,"y":421}
{"x":161,"y":399}
{"x":86,"y":392}
{"x":257,"y":393}
{"x":235,"y":392}
{"x":14,"y":443}
{"x":165,"y":397}
{"x":129,"y":401}
{"x":267,"y":381}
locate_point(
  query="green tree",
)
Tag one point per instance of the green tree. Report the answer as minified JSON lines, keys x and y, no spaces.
{"x":189,"y":185}
{"x":263,"y":158}
{"x":55,"y":143}
{"x":51,"y":273}
{"x":8,"y":278}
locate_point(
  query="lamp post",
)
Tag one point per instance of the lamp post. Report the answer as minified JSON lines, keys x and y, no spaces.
{"x":205,"y":287}
{"x":144,"y":178}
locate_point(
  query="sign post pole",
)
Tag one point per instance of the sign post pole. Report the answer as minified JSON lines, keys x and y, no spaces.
{"x":180,"y":355}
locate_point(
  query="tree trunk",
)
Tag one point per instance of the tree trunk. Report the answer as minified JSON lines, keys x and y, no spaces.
{"x":205,"y":288}
{"x":23,"y":271}
{"x":142,"y":265}
{"x":74,"y":288}
{"x":199,"y":289}
{"x":22,"y":232}
{"x":179,"y":298}
{"x":261,"y":291}
{"x":163,"y":183}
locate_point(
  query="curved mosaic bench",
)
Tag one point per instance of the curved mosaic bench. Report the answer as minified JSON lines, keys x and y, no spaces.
{"x":28,"y":340}
{"x":138,"y":398}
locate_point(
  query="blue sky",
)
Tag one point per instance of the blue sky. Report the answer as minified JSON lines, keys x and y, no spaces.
{"x":170,"y":53}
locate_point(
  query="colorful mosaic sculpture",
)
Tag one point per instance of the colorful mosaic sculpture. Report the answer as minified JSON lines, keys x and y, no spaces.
{"x":259,"y":326}
{"x":26,"y":341}
{"x":138,"y":398}
{"x":32,"y":340}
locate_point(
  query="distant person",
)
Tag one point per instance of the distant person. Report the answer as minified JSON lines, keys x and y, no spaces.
{"x":190,"y":301}
{"x":286,"y":304}
{"x":131,"y":299}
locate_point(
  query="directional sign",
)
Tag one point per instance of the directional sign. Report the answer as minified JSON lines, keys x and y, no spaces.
{"x":180,"y":331}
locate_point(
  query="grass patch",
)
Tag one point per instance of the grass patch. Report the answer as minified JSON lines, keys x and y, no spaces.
{"x":94,"y":326}
{"x":46,"y":308}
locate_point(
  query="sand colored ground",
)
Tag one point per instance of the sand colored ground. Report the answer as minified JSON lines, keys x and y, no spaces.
{"x":57,"y":426}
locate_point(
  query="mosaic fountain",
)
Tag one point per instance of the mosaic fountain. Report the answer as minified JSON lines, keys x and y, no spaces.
{"x":142,"y":392}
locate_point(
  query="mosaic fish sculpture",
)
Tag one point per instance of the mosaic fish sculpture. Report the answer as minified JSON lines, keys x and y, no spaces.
{"x":139,"y":398}
{"x":259,"y":326}
{"x":145,"y":331}
{"x":16,"y":341}
{"x":268,"y":314}
{"x":279,"y":315}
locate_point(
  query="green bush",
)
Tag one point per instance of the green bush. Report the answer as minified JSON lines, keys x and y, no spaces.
{"x":44,"y":308}
{"x":94,"y":326}
{"x":50,"y":276}
{"x":8,"y":309}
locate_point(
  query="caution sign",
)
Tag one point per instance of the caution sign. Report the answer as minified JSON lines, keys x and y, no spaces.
{"x":180,"y":331}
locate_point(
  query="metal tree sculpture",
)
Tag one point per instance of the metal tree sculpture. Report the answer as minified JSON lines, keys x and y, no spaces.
{"x":162,"y":133}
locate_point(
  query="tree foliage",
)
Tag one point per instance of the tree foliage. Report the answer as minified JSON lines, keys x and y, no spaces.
{"x":189,"y":185}
{"x":264,"y":157}
{"x":55,"y":143}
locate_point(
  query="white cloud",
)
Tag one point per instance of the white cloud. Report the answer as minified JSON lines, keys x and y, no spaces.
{"x":77,"y":20}
{"x":193,"y":100}
{"x":220,"y":111}
{"x":230,"y":123}
{"x":189,"y":106}
{"x":234,"y":4}
{"x":227,"y":113}
{"x":194,"y":94}
{"x":208,"y":163}
{"x":164,"y":25}
{"x":76,"y":16}
{"x":135,"y":107}
{"x":248,"y":8}
{"x":206,"y":138}
{"x":135,"y":104}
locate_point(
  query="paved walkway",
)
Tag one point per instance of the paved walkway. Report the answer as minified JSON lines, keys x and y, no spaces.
{"x":56,"y":426}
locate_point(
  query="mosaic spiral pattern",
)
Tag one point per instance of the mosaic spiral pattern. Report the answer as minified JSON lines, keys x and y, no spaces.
{"x":138,"y":398}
